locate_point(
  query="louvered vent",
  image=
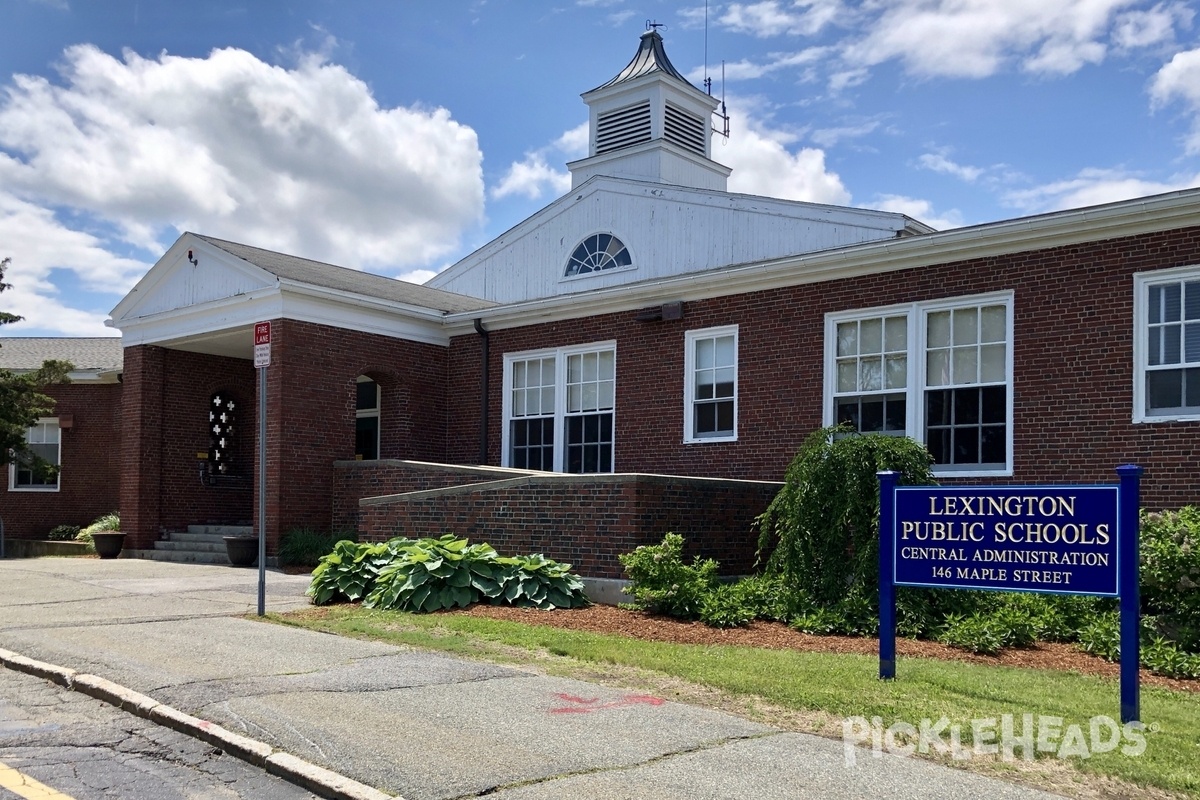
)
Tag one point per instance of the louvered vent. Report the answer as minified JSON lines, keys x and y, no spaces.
{"x":623,"y":128}
{"x":685,"y":130}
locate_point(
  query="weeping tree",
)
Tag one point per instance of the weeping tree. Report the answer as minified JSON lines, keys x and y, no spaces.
{"x":22,"y":401}
{"x":822,"y":529}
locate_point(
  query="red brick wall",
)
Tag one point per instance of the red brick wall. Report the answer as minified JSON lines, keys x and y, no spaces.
{"x":586,"y":521}
{"x":1073,"y":397}
{"x":354,"y":480}
{"x":90,"y":480}
{"x":311,"y":410}
{"x":166,"y":417}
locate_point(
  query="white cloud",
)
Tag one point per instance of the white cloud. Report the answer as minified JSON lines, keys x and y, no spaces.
{"x":765,"y":162}
{"x":301,"y":160}
{"x":829,"y":137}
{"x":533,"y":176}
{"x":773,"y":18}
{"x":1094,"y":187}
{"x":938,"y":162}
{"x":749,"y":70}
{"x":1145,"y":28}
{"x":38,"y":244}
{"x":920,"y":210}
{"x":977,"y":38}
{"x":1179,"y":79}
{"x":124,"y":154}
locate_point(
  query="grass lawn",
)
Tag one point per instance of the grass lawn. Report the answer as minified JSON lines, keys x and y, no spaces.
{"x":816,"y":691}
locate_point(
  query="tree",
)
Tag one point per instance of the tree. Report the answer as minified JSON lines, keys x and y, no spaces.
{"x":22,"y":401}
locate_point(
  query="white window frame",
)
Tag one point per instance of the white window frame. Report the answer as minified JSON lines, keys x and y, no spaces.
{"x":12,"y":468}
{"x":690,"y":339}
{"x":560,"y":355}
{"x":916,"y":382}
{"x":1142,"y":282}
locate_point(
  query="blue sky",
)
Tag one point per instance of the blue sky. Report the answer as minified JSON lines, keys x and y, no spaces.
{"x":399,"y":136}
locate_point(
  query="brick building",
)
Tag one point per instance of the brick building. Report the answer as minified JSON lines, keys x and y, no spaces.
{"x":650,"y":323}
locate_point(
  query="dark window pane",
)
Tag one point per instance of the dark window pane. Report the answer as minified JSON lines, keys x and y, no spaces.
{"x":895,"y":414}
{"x":872,"y":415}
{"x":937,"y":408}
{"x":994,"y":404}
{"x":1191,"y":340}
{"x":368,"y":396}
{"x":606,"y":432}
{"x":704,"y":391}
{"x":574,"y":430}
{"x":938,"y":442}
{"x":591,"y":428}
{"x":847,"y":411}
{"x":1192,"y":388}
{"x":518,"y":432}
{"x":1165,"y":388}
{"x":994,"y":445}
{"x":966,"y":406}
{"x":1155,"y":304}
{"x":725,"y":389}
{"x":366,"y":438}
{"x":966,"y":445}
{"x":1172,"y":304}
{"x":591,"y":458}
{"x":519,"y":459}
{"x":706,"y":418}
{"x":606,"y":458}
{"x":725,"y":417}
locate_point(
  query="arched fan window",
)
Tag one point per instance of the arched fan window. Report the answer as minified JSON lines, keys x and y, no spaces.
{"x":598,"y":252}
{"x":222,"y":434}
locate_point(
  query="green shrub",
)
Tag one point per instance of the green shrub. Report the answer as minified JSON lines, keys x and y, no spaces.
{"x":822,"y":529}
{"x":63,"y":533}
{"x":433,"y":574}
{"x":349,"y":572}
{"x":108,"y":522}
{"x":659,"y":581}
{"x":1170,"y":573}
{"x":304,"y":547}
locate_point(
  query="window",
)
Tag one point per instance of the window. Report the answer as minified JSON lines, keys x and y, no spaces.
{"x":366,"y":420}
{"x":940,"y":372}
{"x":710,"y":385}
{"x":596,"y":253}
{"x":43,"y":439}
{"x":558,"y":409}
{"x":223,"y":434}
{"x":1167,"y":345}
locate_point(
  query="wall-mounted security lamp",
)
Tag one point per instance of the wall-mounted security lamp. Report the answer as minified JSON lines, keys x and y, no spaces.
{"x":195,"y":262}
{"x":667,"y":312}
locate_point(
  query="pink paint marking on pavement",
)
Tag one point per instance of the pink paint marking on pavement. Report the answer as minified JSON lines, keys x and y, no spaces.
{"x":586,"y":705}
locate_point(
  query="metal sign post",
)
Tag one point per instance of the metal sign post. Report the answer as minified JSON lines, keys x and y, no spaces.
{"x":262,"y":360}
{"x":1079,"y":540}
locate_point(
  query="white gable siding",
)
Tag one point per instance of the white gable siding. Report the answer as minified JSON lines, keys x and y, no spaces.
{"x":668,"y":232}
{"x":182,"y":285}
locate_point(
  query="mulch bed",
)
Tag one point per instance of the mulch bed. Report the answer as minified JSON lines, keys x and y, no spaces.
{"x":775,"y":635}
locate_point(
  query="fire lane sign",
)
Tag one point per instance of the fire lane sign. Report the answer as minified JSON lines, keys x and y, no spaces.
{"x":262,"y":344}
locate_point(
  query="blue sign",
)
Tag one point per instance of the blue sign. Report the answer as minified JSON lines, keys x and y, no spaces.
{"x":1013,"y":538}
{"x":1065,"y":539}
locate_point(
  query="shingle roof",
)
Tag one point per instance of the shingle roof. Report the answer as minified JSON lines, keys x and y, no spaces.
{"x":99,"y":354}
{"x":650,"y":57}
{"x":330,"y":276}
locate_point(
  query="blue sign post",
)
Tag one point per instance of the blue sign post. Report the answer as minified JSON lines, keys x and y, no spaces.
{"x":1047,"y":539}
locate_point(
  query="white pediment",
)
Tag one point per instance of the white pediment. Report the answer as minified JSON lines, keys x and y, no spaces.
{"x":668,"y":230}
{"x":175,"y":282}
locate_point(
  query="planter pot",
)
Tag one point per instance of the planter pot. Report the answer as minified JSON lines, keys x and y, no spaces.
{"x":242,"y":550}
{"x":108,"y":543}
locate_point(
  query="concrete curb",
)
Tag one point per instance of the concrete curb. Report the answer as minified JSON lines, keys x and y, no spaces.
{"x":317,"y":780}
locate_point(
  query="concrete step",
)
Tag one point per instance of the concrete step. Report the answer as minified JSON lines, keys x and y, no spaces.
{"x":190,"y":546}
{"x":197,"y":538}
{"x":178,"y":556}
{"x":222,"y":530}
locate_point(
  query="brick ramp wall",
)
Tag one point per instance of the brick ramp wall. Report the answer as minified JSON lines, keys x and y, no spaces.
{"x":584,"y":520}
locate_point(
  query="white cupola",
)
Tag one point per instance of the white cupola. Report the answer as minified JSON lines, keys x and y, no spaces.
{"x":649,"y":123}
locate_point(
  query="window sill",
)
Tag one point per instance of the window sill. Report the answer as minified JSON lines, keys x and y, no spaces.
{"x":34,"y":489}
{"x":712,"y":439}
